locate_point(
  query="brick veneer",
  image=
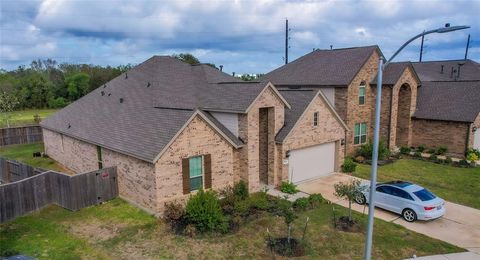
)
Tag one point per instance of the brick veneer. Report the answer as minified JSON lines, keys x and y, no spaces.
{"x":304,"y":134}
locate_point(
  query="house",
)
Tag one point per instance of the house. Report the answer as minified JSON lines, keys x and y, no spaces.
{"x":448,"y":105}
{"x":347,"y":78}
{"x":172,"y":128}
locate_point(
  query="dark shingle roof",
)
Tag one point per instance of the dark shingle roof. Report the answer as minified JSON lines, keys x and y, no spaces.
{"x":431,"y":70}
{"x":393,"y":72}
{"x":451,"y":101}
{"x":159,"y":96}
{"x":335,"y":67}
{"x":299,"y":100}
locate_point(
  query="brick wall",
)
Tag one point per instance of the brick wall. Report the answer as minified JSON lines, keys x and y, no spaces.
{"x":198,"y":138}
{"x":249,"y":132}
{"x":304,"y":134}
{"x":432,"y":133}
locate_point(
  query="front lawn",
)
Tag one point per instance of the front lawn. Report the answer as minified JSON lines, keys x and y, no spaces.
{"x":24,"y":153}
{"x":116,"y":229}
{"x":25,"y":117}
{"x":459,"y":185}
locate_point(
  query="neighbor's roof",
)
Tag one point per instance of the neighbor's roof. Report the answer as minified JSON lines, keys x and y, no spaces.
{"x":159,"y":97}
{"x":451,"y":101}
{"x":299,"y":100}
{"x":432,"y":70}
{"x":393,"y":72}
{"x":335,"y":67}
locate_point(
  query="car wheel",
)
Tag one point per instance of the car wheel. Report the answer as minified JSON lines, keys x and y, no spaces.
{"x":409,"y":215}
{"x":360,"y":198}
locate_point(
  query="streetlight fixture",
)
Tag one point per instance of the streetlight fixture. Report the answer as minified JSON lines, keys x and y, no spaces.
{"x":376,"y":132}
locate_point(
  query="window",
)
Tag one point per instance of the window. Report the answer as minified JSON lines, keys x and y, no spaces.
{"x":315,"y":119}
{"x":99,"y":157}
{"x":196,"y":172}
{"x":384,"y":189}
{"x":360,"y":135}
{"x":401,"y":193}
{"x":424,"y":195}
{"x":361,"y":93}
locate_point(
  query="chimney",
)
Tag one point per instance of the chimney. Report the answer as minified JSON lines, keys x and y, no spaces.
{"x":441,"y":70}
{"x":221,"y":67}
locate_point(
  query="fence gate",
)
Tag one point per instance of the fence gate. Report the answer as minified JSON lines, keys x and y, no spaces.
{"x":106,"y":184}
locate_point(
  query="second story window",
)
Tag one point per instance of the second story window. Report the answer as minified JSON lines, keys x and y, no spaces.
{"x":360,"y":134}
{"x":315,"y":119}
{"x":361,"y":93}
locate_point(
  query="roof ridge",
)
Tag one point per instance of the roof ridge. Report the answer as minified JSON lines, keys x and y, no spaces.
{"x":348,"y":48}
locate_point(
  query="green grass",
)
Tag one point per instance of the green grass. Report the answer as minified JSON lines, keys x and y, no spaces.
{"x":23,"y":153}
{"x":459,"y":185}
{"x":25,"y":117}
{"x":118,"y":230}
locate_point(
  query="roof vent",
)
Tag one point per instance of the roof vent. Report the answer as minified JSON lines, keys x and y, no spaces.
{"x":233,"y":74}
{"x":458,"y":70}
{"x":148,"y":84}
{"x":109,"y":94}
{"x":68,"y":126}
{"x":221,"y":67}
{"x":441,"y":70}
{"x":105,"y":85}
{"x":331,"y":47}
{"x":121,"y":100}
{"x":126,"y":75}
{"x":451,"y":73}
{"x":103,"y":93}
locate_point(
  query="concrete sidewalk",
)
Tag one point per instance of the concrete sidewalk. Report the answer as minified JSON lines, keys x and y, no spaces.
{"x":455,"y":256}
{"x":460,"y":226}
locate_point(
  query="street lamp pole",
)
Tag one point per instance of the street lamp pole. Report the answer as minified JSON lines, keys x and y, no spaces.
{"x":376,"y":132}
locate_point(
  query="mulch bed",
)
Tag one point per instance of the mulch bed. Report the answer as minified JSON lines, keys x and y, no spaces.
{"x":282,"y":247}
{"x":346,"y":225}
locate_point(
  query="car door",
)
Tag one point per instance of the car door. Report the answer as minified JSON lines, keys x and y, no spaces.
{"x":398,"y":200}
{"x":380,"y":196}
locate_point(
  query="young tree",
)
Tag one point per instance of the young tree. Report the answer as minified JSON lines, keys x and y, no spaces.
{"x":8,"y":102}
{"x":348,"y":190}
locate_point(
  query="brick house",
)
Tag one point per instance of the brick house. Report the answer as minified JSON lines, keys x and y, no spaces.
{"x":448,"y":105}
{"x":347,"y":78}
{"x":172,"y":128}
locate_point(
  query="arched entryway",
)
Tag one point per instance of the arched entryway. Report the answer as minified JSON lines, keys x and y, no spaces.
{"x":403,"y":116}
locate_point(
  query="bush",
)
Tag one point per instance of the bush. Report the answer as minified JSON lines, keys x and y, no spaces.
{"x":348,"y":165}
{"x":405,"y":150}
{"x":475,"y":151}
{"x":259,"y":201}
{"x":240,"y":190}
{"x":417,"y":155}
{"x":431,"y":151}
{"x":231,"y":195}
{"x":441,"y":150}
{"x":301,"y":204}
{"x":58,"y":102}
{"x":242,"y":208}
{"x":421,"y":148}
{"x":448,"y":160}
{"x":173,"y":212}
{"x":288,"y":187}
{"x":278,"y":206}
{"x":204,"y":212}
{"x":360,"y":159}
{"x":366,"y":150}
{"x":315,"y":200}
{"x":433,"y":157}
{"x":472,"y":157}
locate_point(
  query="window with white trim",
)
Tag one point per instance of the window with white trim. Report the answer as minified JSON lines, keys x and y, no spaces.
{"x":360,"y":135}
{"x":315,"y":119}
{"x":361,"y":93}
{"x":196,"y":172}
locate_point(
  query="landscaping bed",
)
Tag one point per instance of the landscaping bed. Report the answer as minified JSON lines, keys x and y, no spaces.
{"x":116,"y":229}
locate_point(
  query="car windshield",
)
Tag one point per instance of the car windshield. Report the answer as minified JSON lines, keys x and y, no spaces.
{"x":424,"y":195}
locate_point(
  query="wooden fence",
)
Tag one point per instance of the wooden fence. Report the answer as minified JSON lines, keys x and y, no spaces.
{"x":21,"y":135}
{"x":11,"y":171}
{"x":72,"y":192}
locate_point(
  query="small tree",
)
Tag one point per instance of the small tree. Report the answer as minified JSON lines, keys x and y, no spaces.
{"x":289,"y":216}
{"x":348,"y":190}
{"x":8,"y":103}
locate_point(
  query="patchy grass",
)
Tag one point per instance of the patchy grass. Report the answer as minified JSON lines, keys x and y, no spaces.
{"x":119,"y":230}
{"x":25,"y":117}
{"x":24,"y":153}
{"x":459,"y":185}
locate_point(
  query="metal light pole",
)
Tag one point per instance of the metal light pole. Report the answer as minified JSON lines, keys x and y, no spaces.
{"x":376,"y":133}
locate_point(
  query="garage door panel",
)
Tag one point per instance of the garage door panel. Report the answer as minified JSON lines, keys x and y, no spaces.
{"x":312,"y":162}
{"x":476,"y":139}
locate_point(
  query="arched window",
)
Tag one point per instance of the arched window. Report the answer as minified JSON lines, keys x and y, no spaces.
{"x":361,"y":93}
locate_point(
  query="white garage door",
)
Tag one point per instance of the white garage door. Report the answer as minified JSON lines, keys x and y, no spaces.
{"x":312,"y":162}
{"x":476,"y":139}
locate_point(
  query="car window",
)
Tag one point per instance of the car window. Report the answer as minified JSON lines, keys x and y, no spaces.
{"x":401,"y":193}
{"x":384,"y":189}
{"x":424,"y":195}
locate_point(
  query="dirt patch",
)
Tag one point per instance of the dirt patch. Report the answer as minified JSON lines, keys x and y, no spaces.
{"x":347,"y":225}
{"x":96,"y":230}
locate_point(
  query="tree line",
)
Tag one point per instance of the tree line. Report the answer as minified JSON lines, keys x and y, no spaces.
{"x":47,"y":84}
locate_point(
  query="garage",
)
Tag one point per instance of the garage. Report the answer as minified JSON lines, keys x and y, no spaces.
{"x":311,"y":162}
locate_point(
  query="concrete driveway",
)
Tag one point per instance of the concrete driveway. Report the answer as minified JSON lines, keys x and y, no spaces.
{"x":460,"y":226}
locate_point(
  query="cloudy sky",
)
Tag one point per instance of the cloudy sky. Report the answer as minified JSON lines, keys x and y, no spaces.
{"x":246,"y":36}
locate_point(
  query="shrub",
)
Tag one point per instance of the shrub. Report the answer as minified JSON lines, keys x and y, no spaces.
{"x":288,"y":187}
{"x":472,"y":157}
{"x":475,"y":151}
{"x":405,"y":150}
{"x":448,"y":160}
{"x":366,"y":150}
{"x":463,"y":163}
{"x":315,"y":200}
{"x":440,"y":161}
{"x":348,"y":165}
{"x":441,"y":150}
{"x":58,"y":102}
{"x":360,"y":159}
{"x":278,"y":206}
{"x":301,"y":204}
{"x":433,"y":157}
{"x":204,"y":212}
{"x":190,"y":230}
{"x":259,"y":201}
{"x":241,"y":208}
{"x":173,"y":212}
{"x":431,"y":151}
{"x":421,"y":148}
{"x":417,"y":155}
{"x":241,"y":190}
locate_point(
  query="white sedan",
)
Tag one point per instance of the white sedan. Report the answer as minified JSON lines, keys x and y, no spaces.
{"x":409,"y":200}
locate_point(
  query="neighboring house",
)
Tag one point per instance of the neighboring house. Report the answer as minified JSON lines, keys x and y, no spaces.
{"x":346,"y":78}
{"x":448,"y":105}
{"x":172,"y":128}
